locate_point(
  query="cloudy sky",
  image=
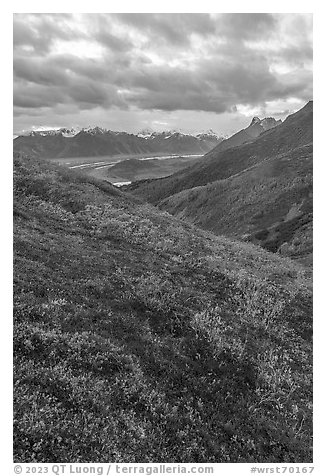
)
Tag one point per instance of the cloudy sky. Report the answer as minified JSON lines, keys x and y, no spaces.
{"x":184,"y":71}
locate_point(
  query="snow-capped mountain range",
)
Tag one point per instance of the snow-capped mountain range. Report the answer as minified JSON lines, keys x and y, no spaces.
{"x":145,"y":133}
{"x":65,"y":132}
{"x":97,"y":141}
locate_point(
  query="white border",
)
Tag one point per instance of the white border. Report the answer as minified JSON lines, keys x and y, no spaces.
{"x":319,"y":184}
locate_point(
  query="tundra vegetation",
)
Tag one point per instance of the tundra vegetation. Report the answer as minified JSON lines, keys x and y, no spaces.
{"x":141,"y":338}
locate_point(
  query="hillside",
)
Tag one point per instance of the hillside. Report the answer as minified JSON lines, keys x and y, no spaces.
{"x":101,"y":142}
{"x":270,"y":204}
{"x":294,"y":132}
{"x":255,"y":128}
{"x":260,"y":191}
{"x":139,"y":338}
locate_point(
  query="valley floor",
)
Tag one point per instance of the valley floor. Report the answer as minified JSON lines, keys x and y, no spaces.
{"x":99,"y":166}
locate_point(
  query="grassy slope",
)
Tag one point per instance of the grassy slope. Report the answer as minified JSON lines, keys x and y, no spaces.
{"x":295,"y":131}
{"x":140,"y":338}
{"x":270,"y":204}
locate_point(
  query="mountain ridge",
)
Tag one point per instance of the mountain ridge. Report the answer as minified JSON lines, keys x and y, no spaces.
{"x":223,"y":160}
{"x":260,"y":191}
{"x":96,"y":141}
{"x":255,"y":128}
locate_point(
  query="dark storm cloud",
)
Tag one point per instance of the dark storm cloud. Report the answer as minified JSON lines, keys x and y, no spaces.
{"x":62,"y":79}
{"x":101,"y":31}
{"x":295,"y":55}
{"x":244,"y":26}
{"x":169,"y":62}
{"x":113,"y":42}
{"x":89,"y":93}
{"x":39,"y":31}
{"x":209,"y":88}
{"x":42,"y":71}
{"x":82,"y":92}
{"x":36,"y":96}
{"x":58,"y":69}
{"x":174,"y":28}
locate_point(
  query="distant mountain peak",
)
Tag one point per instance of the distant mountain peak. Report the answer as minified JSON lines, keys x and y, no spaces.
{"x":210,"y":134}
{"x":255,"y":120}
{"x":150,"y":134}
{"x":266,"y":123}
{"x":94,"y":130}
{"x":147,"y":132}
{"x":64,"y":131}
{"x":68,"y":132}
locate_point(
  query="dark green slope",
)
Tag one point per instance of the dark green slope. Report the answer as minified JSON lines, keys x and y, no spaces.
{"x":246,"y":135}
{"x":139,"y":338}
{"x":294,"y":132}
{"x":270,"y":204}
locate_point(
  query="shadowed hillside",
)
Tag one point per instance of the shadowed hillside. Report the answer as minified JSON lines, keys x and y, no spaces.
{"x":140,"y":338}
{"x":269,"y":204}
{"x":294,"y":132}
{"x":259,"y":192}
{"x":256,"y":127}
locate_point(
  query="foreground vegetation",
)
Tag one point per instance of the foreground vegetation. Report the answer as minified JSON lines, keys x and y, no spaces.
{"x":139,"y":338}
